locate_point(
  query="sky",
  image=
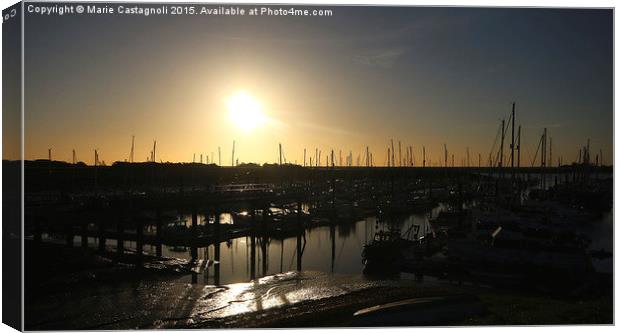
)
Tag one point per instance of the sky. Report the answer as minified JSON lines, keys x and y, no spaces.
{"x":366,"y":75}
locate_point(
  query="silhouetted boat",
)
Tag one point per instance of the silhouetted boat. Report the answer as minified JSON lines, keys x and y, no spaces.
{"x":385,"y":251}
{"x":420,"y":311}
{"x":389,"y":251}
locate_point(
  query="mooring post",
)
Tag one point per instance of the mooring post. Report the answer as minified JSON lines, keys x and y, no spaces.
{"x":252,"y":256}
{"x":263,"y":243}
{"x":253,"y":246}
{"x":216,"y":267}
{"x":206,"y":256}
{"x":299,"y":251}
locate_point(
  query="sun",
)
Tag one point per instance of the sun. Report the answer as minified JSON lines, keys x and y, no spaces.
{"x":245,"y":111}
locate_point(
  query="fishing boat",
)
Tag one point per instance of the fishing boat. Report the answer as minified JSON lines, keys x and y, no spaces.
{"x":389,"y":251}
{"x":385,"y":251}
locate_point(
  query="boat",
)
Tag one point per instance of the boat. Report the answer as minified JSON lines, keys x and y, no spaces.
{"x":420,"y":311}
{"x":388,"y":251}
{"x":385,"y":251}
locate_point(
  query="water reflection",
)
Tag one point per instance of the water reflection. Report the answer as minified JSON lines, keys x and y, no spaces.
{"x":333,"y":249}
{"x":330,"y":249}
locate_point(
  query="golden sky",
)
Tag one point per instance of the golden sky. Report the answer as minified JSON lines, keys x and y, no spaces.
{"x":424,"y":76}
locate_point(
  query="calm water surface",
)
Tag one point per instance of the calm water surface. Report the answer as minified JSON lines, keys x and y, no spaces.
{"x":330,"y":249}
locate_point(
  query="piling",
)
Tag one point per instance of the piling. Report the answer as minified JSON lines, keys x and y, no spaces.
{"x":263,"y":243}
{"x":299,"y":232}
{"x":216,"y":222}
{"x":101,"y":234}
{"x":253,"y":247}
{"x":216,"y":278}
{"x":194,"y":231}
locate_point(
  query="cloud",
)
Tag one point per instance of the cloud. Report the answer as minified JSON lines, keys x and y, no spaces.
{"x":311,"y":126}
{"x":384,"y":58}
{"x":327,"y":129}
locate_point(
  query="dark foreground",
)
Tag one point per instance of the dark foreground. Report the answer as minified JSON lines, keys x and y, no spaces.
{"x":88,"y":291}
{"x":478,"y":249}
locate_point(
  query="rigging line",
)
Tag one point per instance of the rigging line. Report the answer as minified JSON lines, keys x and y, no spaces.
{"x":527,"y":151}
{"x":499,"y":131}
{"x":536,"y":154}
{"x":525,"y":148}
{"x":495,"y":160}
{"x":508,"y":122}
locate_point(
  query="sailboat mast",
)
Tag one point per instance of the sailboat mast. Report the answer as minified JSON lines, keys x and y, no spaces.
{"x":132,"y":149}
{"x":232,"y":159}
{"x":280,"y":153}
{"x":519,"y":147}
{"x":392,"y":142}
{"x":501,"y":147}
{"x":512,"y":142}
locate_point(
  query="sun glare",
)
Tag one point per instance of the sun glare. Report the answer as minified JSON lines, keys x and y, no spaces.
{"x":245,"y":111}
